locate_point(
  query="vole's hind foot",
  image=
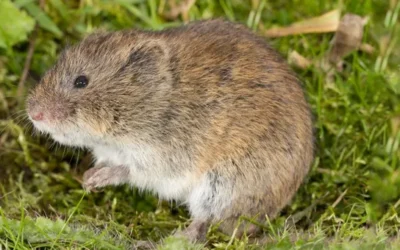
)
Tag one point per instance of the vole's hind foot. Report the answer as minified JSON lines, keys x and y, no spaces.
{"x":101,"y":176}
{"x":196,"y":232}
{"x":231,"y":227}
{"x":144,"y":245}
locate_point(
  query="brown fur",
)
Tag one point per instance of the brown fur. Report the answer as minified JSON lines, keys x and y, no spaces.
{"x":212,"y":91}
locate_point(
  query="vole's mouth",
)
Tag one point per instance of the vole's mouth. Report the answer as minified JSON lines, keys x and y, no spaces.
{"x":42,"y":126}
{"x":67,"y":135}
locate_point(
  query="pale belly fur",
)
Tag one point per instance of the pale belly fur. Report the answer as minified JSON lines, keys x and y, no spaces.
{"x":149,"y":170}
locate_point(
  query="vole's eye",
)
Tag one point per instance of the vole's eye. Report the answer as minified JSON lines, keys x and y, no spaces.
{"x":81,"y":82}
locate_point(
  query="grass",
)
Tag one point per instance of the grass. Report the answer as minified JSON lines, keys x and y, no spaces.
{"x":350,"y":200}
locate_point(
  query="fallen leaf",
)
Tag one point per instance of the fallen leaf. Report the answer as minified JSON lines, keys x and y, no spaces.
{"x":298,"y":60}
{"x":255,"y":3}
{"x":176,"y":10}
{"x":347,"y":38}
{"x":393,"y":4}
{"x":327,"y":22}
{"x":367,"y":48}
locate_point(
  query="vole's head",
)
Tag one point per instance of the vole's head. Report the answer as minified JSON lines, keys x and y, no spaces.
{"x":98,"y":87}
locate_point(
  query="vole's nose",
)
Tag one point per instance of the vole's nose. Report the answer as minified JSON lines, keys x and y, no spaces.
{"x":34,"y":110}
{"x":38,"y":116}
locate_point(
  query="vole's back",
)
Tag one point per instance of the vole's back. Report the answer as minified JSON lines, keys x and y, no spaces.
{"x":238,"y":93}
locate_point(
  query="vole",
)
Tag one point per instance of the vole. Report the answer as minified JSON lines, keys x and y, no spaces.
{"x":207,"y":114}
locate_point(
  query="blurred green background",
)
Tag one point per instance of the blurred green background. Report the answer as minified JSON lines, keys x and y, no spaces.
{"x":349,"y":201}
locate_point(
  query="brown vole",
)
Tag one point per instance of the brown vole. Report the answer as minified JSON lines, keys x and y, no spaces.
{"x":207,"y":114}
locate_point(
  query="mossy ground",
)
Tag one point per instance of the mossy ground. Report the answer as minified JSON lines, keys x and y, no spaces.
{"x":349,"y":201}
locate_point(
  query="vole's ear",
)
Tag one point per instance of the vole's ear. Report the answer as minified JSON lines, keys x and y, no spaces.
{"x":147,"y":61}
{"x":148,"y":54}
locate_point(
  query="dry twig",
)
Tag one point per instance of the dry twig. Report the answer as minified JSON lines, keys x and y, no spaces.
{"x":28,"y":59}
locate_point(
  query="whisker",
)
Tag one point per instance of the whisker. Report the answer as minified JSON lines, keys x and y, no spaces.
{"x":12,"y":115}
{"x":73,"y":155}
{"x":63,"y":154}
{"x":21,"y":118}
{"x":52,"y":144}
{"x":77,"y":160}
{"x":28,"y":126}
{"x":14,"y":97}
{"x":57,"y":146}
{"x":22,"y":111}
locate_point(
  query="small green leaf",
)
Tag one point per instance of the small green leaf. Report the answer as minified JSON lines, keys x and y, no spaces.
{"x":15,"y":25}
{"x":43,"y":19}
{"x":61,"y":8}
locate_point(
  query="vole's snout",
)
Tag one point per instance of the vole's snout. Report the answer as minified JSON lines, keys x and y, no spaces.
{"x":48,"y":111}
{"x":34,"y":111}
{"x":38,"y":116}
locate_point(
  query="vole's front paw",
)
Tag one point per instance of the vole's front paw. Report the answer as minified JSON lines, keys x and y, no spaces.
{"x":97,"y":177}
{"x":195,"y":232}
